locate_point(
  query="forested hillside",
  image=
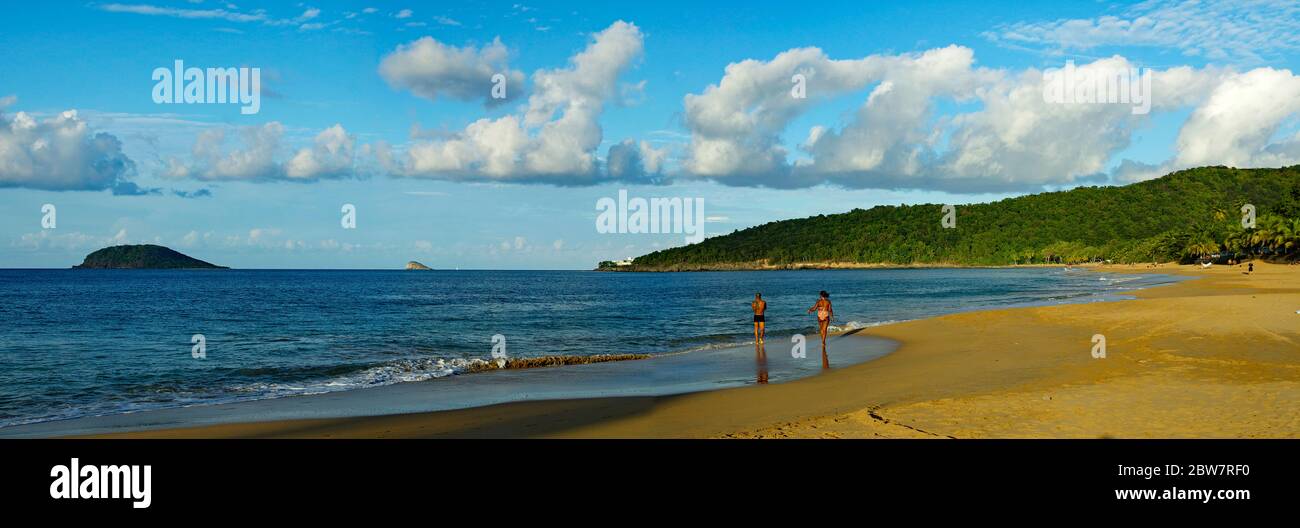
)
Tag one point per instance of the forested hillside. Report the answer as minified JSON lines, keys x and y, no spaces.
{"x":1182,"y":216}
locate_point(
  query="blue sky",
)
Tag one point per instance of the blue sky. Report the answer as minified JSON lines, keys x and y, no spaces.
{"x":375,"y":104}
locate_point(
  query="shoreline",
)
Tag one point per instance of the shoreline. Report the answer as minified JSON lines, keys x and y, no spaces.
{"x":523,"y":380}
{"x":1217,"y":357}
{"x":1014,"y":372}
{"x":853,"y":266}
{"x":654,"y":378}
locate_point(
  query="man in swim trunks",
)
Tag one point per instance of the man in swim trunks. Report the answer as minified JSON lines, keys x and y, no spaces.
{"x":759,"y":306}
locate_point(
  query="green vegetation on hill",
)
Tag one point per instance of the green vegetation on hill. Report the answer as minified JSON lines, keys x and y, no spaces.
{"x":146,"y":256}
{"x":1182,"y":216}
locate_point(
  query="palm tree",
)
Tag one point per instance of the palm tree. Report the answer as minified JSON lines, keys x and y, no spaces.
{"x":1028,"y":255}
{"x":1265,"y":232}
{"x":1236,"y":240}
{"x":1288,"y":235}
{"x":1200,"y":246}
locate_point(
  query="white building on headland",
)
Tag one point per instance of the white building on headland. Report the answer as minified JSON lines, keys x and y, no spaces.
{"x":624,"y":262}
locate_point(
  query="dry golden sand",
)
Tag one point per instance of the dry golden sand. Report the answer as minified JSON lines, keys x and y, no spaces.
{"x":1217,"y":357}
{"x":1212,"y":358}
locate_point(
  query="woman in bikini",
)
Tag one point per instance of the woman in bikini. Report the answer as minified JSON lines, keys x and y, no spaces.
{"x":824,"y":315}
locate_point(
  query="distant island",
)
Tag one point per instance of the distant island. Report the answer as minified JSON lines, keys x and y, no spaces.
{"x":413,"y":265}
{"x":1185,"y":216}
{"x":143,"y":256}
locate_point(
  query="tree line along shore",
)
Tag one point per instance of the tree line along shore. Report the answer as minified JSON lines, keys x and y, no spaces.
{"x":1199,"y":214}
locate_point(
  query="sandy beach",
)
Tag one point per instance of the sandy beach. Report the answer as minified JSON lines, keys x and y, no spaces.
{"x":1217,"y":357}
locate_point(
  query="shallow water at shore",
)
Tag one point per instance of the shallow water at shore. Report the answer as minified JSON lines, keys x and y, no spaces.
{"x":716,"y":368}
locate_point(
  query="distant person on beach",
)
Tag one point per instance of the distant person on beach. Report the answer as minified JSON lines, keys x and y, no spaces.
{"x":824,"y":315}
{"x":1250,"y":268}
{"x":759,"y":306}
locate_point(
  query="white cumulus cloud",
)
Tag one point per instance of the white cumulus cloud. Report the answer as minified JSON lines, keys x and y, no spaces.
{"x":428,"y":68}
{"x":333,"y":154}
{"x":61,"y":153}
{"x":554,"y":138}
{"x":1003,"y":136}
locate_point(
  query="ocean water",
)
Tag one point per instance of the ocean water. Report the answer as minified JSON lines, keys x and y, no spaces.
{"x":78,"y":343}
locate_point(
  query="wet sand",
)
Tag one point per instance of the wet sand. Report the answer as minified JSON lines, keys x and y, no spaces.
{"x":1217,"y":357}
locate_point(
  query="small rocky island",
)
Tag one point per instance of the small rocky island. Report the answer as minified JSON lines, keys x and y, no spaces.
{"x":143,"y":256}
{"x":413,"y":265}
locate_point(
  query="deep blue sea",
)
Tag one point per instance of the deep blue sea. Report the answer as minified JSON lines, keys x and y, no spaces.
{"x":93,"y":342}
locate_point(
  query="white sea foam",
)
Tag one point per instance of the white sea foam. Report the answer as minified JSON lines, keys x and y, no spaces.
{"x":397,"y":371}
{"x":855,"y":325}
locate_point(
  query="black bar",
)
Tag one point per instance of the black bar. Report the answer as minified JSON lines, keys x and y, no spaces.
{"x":318,"y":478}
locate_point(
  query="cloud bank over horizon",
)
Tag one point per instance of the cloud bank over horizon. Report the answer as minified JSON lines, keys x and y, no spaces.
{"x":929,"y":120}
